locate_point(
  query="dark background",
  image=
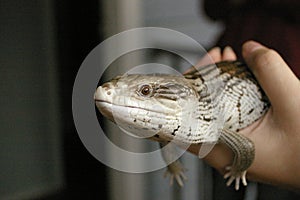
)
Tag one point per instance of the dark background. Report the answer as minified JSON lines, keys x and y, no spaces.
{"x":43,"y":44}
{"x":78,"y":34}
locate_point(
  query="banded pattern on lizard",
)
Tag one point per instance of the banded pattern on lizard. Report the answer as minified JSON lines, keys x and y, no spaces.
{"x":204,"y":106}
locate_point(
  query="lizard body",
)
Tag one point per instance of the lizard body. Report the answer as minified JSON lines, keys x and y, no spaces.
{"x":208,"y":105}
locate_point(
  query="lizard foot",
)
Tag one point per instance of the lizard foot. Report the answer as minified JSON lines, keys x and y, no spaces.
{"x":235,"y":176}
{"x":176,"y":171}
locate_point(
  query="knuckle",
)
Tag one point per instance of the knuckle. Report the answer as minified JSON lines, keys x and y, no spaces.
{"x":265,"y":58}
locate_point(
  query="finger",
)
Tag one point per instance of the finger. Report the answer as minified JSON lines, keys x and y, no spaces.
{"x":228,"y":54}
{"x":215,"y":54}
{"x":277,"y":80}
{"x":212,"y":56}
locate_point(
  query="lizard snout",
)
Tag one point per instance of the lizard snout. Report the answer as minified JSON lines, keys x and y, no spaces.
{"x":104,"y":93}
{"x":103,"y":98}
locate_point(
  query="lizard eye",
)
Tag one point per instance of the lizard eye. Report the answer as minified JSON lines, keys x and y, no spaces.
{"x":145,"y":90}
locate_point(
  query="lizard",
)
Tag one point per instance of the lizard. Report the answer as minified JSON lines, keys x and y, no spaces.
{"x":204,"y":106}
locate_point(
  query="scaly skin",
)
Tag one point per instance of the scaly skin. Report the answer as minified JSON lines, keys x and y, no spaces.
{"x":205,"y":106}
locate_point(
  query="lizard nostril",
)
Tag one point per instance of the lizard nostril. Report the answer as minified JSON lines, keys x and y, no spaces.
{"x":107,"y":88}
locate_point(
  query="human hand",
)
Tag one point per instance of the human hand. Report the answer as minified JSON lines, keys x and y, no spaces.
{"x":277,"y":135}
{"x":213,"y":56}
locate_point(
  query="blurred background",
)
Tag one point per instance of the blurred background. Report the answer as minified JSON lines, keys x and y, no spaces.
{"x":43,"y":43}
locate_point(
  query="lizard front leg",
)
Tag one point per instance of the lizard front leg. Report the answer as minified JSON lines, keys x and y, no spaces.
{"x":175,"y":168}
{"x":244,"y":152}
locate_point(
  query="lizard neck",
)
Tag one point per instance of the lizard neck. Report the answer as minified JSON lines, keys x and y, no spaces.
{"x":229,"y":95}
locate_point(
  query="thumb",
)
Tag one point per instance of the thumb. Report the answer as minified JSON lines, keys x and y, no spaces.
{"x":275,"y":77}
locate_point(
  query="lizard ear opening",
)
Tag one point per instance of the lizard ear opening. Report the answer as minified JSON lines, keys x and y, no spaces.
{"x":203,"y":91}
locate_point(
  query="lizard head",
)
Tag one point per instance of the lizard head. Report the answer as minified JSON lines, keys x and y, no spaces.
{"x":146,"y":105}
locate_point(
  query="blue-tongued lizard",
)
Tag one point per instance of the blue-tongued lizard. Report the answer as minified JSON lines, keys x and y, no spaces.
{"x":204,"y":106}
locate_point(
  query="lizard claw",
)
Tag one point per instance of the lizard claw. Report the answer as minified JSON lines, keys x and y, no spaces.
{"x":235,"y":176}
{"x":176,"y":171}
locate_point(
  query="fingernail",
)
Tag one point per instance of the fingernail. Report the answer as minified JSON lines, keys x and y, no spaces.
{"x":251,"y":46}
{"x":215,"y":49}
{"x":228,"y":49}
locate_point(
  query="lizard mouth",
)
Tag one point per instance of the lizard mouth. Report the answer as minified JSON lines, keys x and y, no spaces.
{"x":119,"y":114}
{"x":105,"y":109}
{"x":110,"y":110}
{"x":103,"y":103}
